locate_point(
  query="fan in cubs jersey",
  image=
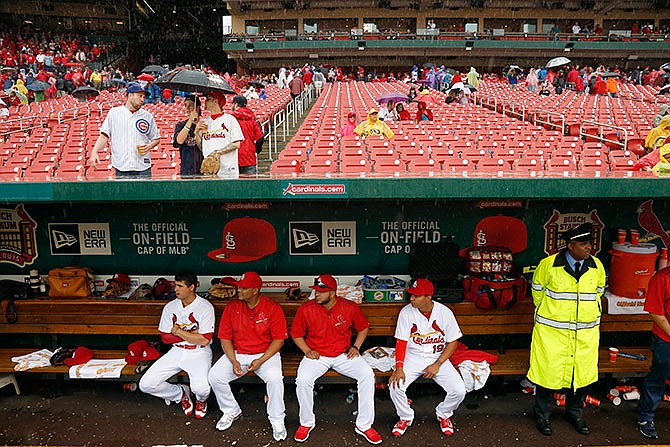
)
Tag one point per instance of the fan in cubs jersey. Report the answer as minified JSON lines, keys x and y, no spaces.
{"x":322,"y":329}
{"x":133,"y":133}
{"x":426,"y":336}
{"x":220,"y":133}
{"x":252,"y":331}
{"x":187,"y":323}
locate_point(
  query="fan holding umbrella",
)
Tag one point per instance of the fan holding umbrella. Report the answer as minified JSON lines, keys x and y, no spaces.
{"x":85,"y":93}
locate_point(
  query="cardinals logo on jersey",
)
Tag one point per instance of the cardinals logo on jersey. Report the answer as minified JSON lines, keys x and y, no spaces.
{"x":437,"y":328}
{"x":436,"y":336}
{"x":262,"y":319}
{"x":341,"y":322}
{"x":191,"y":326}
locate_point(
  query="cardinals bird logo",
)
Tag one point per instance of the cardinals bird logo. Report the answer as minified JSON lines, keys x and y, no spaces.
{"x":414,"y":329}
{"x":650,"y":222}
{"x":437,"y":328}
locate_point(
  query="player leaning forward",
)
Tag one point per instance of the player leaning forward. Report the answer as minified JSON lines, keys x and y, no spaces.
{"x":252,"y":331}
{"x":426,"y":336}
{"x":187,"y":323}
{"x":322,"y":329}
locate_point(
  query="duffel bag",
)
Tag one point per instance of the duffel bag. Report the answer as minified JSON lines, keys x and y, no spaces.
{"x":495,"y":291}
{"x":70,"y":282}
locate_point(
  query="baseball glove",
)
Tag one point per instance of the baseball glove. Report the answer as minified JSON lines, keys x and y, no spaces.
{"x":222,"y":291}
{"x":210,"y":165}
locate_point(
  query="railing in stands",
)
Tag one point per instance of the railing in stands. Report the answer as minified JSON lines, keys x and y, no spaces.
{"x":601,"y":137}
{"x":63,"y":114}
{"x":514,"y":109}
{"x":538,"y":121}
{"x":107,"y":105}
{"x":29,"y":122}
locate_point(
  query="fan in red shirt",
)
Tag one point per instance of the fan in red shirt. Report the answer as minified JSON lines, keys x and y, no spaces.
{"x":322,"y":329}
{"x":252,"y":331}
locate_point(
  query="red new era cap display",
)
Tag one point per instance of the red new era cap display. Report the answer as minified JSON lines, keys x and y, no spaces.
{"x":250,"y":280}
{"x":324,"y":283}
{"x":421,"y":287}
{"x":500,"y":231}
{"x":246,"y":239}
{"x":81,"y":355}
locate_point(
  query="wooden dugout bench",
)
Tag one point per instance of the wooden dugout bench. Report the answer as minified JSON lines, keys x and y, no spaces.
{"x":139,"y":319}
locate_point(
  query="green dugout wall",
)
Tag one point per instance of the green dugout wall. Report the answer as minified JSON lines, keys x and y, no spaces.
{"x":302,"y":226}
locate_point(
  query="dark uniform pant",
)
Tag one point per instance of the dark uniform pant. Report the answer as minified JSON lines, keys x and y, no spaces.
{"x":544,"y":399}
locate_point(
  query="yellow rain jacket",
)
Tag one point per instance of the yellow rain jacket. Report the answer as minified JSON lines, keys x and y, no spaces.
{"x":373,"y":127}
{"x":662,"y":130}
{"x":566,"y":333}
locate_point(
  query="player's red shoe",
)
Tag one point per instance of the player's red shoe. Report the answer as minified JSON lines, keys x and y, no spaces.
{"x":400,"y":427}
{"x":303,"y":433}
{"x":186,"y":402}
{"x":370,"y":435}
{"x":446,"y":426}
{"x":200,"y":409}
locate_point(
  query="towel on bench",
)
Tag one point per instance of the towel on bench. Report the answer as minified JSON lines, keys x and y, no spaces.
{"x":98,"y":369}
{"x":37,"y":359}
{"x":380,"y":358}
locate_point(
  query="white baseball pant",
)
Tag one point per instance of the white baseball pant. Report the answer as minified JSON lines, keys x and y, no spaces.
{"x":270,"y":372}
{"x":356,"y":368}
{"x":196,"y":363}
{"x":448,"y":378}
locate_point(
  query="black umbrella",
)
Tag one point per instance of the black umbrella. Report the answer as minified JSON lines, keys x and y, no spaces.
{"x":665,"y":66}
{"x":154,"y":69}
{"x":471,"y":87}
{"x":450,"y":70}
{"x":119,"y":81}
{"x":85,"y":92}
{"x":195,"y":81}
{"x":38,"y":86}
{"x":257,"y":84}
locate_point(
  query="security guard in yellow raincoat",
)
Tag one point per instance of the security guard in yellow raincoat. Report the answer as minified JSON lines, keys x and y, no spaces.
{"x":566,"y":288}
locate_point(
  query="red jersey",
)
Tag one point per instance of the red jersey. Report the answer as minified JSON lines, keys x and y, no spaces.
{"x":252,"y":330}
{"x":658,"y":299}
{"x":328,"y":332}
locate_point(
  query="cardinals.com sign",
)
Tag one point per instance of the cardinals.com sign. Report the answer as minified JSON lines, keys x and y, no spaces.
{"x":322,"y":238}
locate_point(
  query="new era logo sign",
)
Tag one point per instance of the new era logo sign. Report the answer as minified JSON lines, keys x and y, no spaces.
{"x":302,"y":238}
{"x":62,"y":239}
{"x":322,"y":238}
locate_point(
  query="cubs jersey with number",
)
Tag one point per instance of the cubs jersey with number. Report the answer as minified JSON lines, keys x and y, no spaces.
{"x":427,"y":337}
{"x":126,"y":131}
{"x":196,"y":317}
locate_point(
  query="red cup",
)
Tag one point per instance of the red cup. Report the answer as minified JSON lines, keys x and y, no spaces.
{"x":592,"y":401}
{"x":666,"y":398}
{"x":559,"y":396}
{"x":634,"y":237}
{"x":560,"y":402}
{"x":621,"y":235}
{"x":614,"y":352}
{"x":625,"y":388}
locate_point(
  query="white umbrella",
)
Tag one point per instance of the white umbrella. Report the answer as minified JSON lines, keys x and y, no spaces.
{"x":459,"y":86}
{"x":557,"y":62}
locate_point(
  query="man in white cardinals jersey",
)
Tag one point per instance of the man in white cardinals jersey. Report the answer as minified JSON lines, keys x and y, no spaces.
{"x":426,"y":336}
{"x":187,"y":323}
{"x":220,"y":133}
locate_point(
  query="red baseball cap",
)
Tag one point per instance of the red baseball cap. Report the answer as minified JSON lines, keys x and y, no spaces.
{"x":324,"y":283}
{"x":135,"y":350}
{"x":81,"y":355}
{"x":249,"y":280}
{"x":220,"y":97}
{"x":120,"y":277}
{"x":150,"y":353}
{"x":228,"y":280}
{"x":421,"y":287}
{"x":246,"y":239}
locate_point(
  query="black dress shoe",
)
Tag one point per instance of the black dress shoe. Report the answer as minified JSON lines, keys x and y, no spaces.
{"x":544,"y":427}
{"x":580,"y":426}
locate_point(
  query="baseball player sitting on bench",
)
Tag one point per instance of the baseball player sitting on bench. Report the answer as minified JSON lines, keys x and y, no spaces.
{"x":322,"y":329}
{"x":426,"y":336}
{"x":252,"y":331}
{"x":187,"y":323}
